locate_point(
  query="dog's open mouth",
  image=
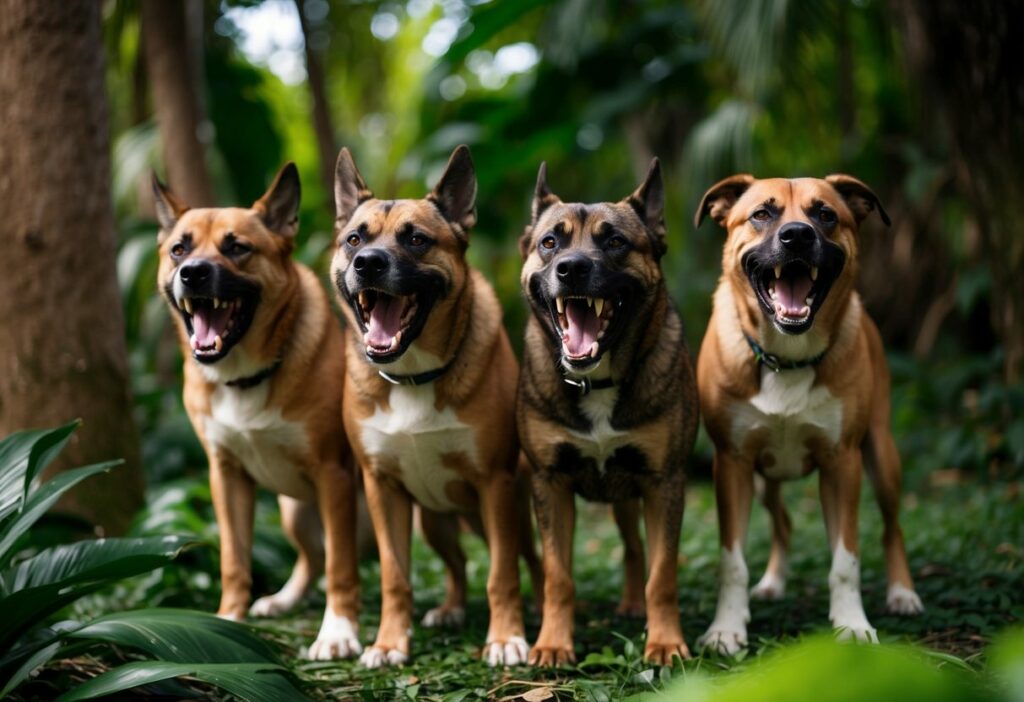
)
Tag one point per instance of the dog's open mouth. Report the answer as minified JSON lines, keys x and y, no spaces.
{"x":792,"y":292}
{"x":388,"y":321}
{"x":215,"y":325}
{"x":582,"y":323}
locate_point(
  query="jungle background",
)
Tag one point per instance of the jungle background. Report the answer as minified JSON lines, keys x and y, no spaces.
{"x":920,"y":99}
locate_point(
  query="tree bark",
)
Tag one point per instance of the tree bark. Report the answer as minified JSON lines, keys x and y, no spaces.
{"x":322,"y":124}
{"x":173,"y":60}
{"x":62,"y":353}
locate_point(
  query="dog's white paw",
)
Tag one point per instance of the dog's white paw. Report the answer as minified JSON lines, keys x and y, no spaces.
{"x":511,"y":652}
{"x":444,"y":617}
{"x":378,"y":657}
{"x":769,"y":587}
{"x":337,"y":639}
{"x":903,"y":600}
{"x":724,"y":641}
{"x":861,"y":633}
{"x":271,"y":606}
{"x":231,"y":617}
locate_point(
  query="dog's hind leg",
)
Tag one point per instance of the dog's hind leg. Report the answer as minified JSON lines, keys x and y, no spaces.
{"x":627,"y":518}
{"x":772,"y":585}
{"x":301,"y":524}
{"x":441,"y":531}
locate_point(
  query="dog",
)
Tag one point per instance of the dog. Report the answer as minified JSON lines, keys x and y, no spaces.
{"x":264,"y":365}
{"x":429,"y":402}
{"x":607,"y":400}
{"x":792,"y":377}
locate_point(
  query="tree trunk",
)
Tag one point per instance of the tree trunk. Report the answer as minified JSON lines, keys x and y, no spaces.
{"x":62,"y":353}
{"x":173,"y":59}
{"x":322,"y":125}
{"x":966,"y":58}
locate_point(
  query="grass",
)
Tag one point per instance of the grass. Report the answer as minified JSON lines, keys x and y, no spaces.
{"x":965,"y":548}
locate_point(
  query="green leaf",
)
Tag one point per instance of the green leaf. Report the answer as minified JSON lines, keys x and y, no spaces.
{"x":181,"y":636}
{"x":43,"y":584}
{"x":22,"y":455}
{"x":36,"y":505}
{"x":41,"y":656}
{"x":250,"y":681}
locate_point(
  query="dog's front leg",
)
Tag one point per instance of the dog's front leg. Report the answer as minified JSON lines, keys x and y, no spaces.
{"x":336,"y":495}
{"x":734,"y":491}
{"x":663,"y":516}
{"x":391,"y":510}
{"x":555,"y":506}
{"x":234,"y":495}
{"x":506,"y":641}
{"x":627,"y":518}
{"x":840,"y":498}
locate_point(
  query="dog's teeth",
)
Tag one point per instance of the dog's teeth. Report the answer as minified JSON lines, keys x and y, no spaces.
{"x":599,"y":305}
{"x":778,"y":272}
{"x":814,"y":273}
{"x":193,"y":343}
{"x":187,"y":304}
{"x":809,"y":300}
{"x":590,"y":301}
{"x":604,"y":325}
{"x":560,"y":304}
{"x":593,"y":350}
{"x":218,"y":343}
{"x":397,"y":339}
{"x":216,"y":303}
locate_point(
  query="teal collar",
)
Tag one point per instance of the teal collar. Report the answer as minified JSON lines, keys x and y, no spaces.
{"x":776,"y":364}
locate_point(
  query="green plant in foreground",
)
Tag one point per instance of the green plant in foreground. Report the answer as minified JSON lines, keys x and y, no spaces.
{"x":36,"y":587}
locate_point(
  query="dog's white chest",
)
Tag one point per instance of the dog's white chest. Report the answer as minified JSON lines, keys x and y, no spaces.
{"x":792,"y":411}
{"x":419,"y":438}
{"x":602,"y":440}
{"x":269,"y":446}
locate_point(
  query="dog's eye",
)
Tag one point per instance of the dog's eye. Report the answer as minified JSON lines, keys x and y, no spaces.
{"x":237,"y":248}
{"x":827,"y":216}
{"x":549,"y":242}
{"x":417,"y":240}
{"x":178,"y":250}
{"x":616,"y":242}
{"x":761,"y":215}
{"x":354,"y":239}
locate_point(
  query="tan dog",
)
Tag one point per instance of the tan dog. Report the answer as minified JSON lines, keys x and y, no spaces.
{"x":792,"y":377}
{"x":607,"y":401}
{"x":263,"y":387}
{"x":429,"y":399}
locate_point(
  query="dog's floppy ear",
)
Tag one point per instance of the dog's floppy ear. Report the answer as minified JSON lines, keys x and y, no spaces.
{"x":350,"y":190}
{"x":279,"y":206}
{"x":720,"y":198}
{"x":455,"y":192}
{"x":168,"y":208}
{"x":861,"y":200}
{"x":649,"y":202}
{"x":543,"y":198}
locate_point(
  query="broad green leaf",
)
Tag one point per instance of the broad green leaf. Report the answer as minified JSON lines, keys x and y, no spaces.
{"x":180,"y":635}
{"x":41,"y":500}
{"x":42,"y":655}
{"x":43,"y":584}
{"x":255,"y":682}
{"x":22,"y":455}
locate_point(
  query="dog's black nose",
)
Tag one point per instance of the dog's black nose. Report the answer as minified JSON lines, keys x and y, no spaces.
{"x":370,"y":263}
{"x":573,"y":269}
{"x":194,"y":273}
{"x":797,"y":236}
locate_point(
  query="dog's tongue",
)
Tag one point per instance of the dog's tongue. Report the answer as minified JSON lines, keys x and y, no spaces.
{"x":792,"y":292}
{"x":583,"y":327}
{"x":208,"y":323}
{"x":385,"y":321}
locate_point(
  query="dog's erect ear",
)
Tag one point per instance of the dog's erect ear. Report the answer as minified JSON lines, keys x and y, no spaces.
{"x":350,"y":190}
{"x":649,"y":202}
{"x":720,"y":198}
{"x":861,"y":200}
{"x":168,"y":208}
{"x":543,"y":198}
{"x":279,"y":206}
{"x":455,"y":192}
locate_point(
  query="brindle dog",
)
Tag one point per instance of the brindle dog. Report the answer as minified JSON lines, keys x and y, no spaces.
{"x":607,"y":401}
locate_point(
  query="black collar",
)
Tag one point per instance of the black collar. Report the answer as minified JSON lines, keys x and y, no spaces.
{"x":776,"y":364}
{"x":252,"y":381}
{"x":417,"y":379}
{"x":585,"y":384}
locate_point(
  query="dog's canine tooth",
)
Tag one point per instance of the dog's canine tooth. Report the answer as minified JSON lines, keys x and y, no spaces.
{"x":397,"y":339}
{"x":216,"y":303}
{"x":599,"y":305}
{"x":593,"y":349}
{"x":814,"y":272}
{"x":560,"y":304}
{"x":778,"y":272}
{"x":187,"y":304}
{"x":218,"y":343}
{"x":590,"y":301}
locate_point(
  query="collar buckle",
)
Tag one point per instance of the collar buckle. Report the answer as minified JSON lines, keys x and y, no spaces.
{"x":582,"y":384}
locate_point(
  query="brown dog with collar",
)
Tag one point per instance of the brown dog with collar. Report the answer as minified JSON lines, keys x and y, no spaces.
{"x":263,"y":386}
{"x":430,"y":399}
{"x":607,"y":401}
{"x":792,"y":378}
